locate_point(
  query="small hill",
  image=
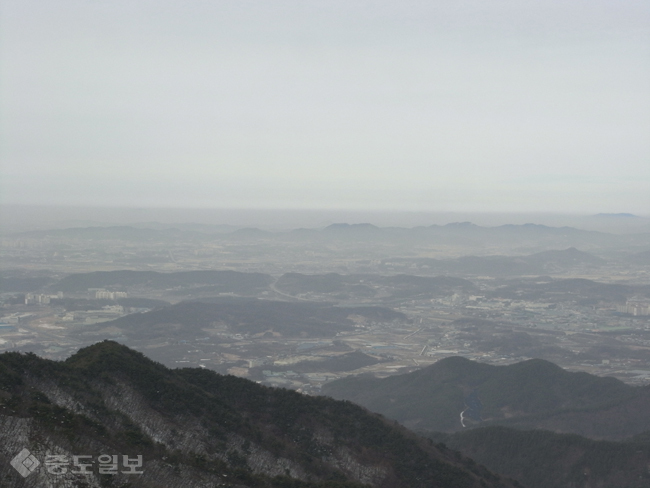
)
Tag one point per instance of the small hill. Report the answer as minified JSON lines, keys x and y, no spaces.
{"x":529,"y":394}
{"x":324,"y":283}
{"x":222,"y":281}
{"x":245,"y":316}
{"x":573,"y":289}
{"x":193,"y":427}
{"x":19,"y":281}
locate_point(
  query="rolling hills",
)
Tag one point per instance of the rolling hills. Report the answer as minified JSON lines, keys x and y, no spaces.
{"x":244,"y":316}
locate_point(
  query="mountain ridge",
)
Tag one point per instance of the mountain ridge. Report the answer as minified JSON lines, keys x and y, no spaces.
{"x":529,"y":394}
{"x":194,"y":427}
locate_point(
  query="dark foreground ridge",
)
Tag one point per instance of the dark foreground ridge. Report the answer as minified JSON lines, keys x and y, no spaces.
{"x":194,"y":427}
{"x":543,"y":459}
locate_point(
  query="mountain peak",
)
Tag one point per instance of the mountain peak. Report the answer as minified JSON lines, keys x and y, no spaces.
{"x":531,"y":394}
{"x":109,"y":355}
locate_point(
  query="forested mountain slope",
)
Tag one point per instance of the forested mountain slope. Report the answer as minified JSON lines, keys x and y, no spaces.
{"x":530,"y":394}
{"x":194,"y":427}
{"x":543,"y":459}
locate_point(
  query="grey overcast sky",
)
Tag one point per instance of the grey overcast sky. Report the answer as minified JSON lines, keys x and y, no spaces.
{"x":437,"y":105}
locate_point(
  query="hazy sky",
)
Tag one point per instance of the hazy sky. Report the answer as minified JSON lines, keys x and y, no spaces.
{"x":436,"y":105}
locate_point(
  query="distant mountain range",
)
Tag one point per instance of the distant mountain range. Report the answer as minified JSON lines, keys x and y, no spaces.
{"x":459,"y":234}
{"x":617,"y":215}
{"x":196,"y":428}
{"x":455,"y":394}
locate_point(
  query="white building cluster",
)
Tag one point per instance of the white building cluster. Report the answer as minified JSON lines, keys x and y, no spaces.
{"x":110,"y":295}
{"x":31,"y":298}
{"x":635,"y":307}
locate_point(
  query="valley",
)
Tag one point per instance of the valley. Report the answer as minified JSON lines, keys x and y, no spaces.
{"x":449,"y":330}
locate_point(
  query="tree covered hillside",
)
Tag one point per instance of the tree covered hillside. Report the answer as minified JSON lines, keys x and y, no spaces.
{"x":194,"y":427}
